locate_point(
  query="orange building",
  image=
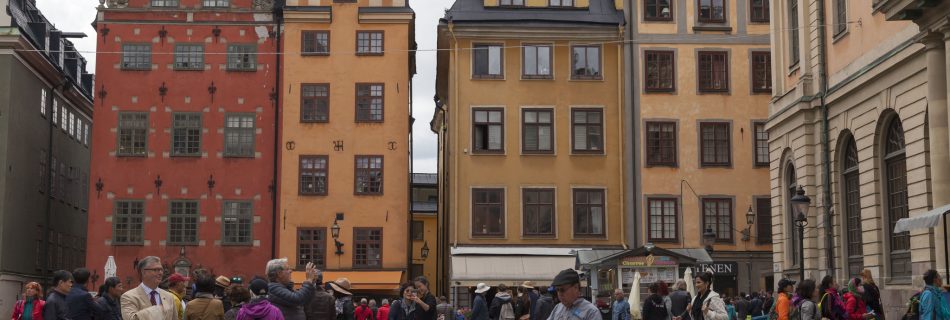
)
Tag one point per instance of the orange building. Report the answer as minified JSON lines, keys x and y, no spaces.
{"x":345,"y":91}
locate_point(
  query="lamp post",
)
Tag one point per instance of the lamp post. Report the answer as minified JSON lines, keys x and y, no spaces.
{"x":425,"y":250}
{"x":709,"y":238}
{"x":800,"y":203}
{"x":335,"y":233}
{"x":749,"y":220}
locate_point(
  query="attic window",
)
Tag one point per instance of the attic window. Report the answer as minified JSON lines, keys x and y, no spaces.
{"x":561,"y":3}
{"x":512,"y":3}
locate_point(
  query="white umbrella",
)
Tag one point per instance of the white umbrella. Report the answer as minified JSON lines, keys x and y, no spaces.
{"x":110,"y":267}
{"x":634,"y":299}
{"x":688,"y":277}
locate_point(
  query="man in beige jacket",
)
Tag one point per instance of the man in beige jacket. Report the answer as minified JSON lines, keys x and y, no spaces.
{"x":148,"y":301}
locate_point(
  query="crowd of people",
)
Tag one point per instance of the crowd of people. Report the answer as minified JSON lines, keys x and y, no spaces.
{"x":274,"y":297}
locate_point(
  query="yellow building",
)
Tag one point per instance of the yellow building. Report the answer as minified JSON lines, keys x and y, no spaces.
{"x":345,"y":139}
{"x":530,"y":137}
{"x":701,"y":90}
{"x":425,"y":232}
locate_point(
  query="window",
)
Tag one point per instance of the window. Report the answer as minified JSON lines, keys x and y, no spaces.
{"x":183,"y":222}
{"x":537,"y":61}
{"x":85,"y":134}
{"x":717,"y":215}
{"x":841,"y":16}
{"x":316,"y":43}
{"x":793,"y":53}
{"x":64,"y":119}
{"x":311,"y":247}
{"x":71,"y":124}
{"x":215,"y":3}
{"x":54,"y":179}
{"x":715,"y":144}
{"x":239,"y":134}
{"x":761,"y":144}
{"x":488,"y":212}
{"x":760,"y":11}
{"x":369,"y":42}
{"x":189,"y":57}
{"x":186,"y":134}
{"x":659,"y":72}
{"x":137,"y":56}
{"x":133,"y":133}
{"x":763,"y":221}
{"x":791,"y":188}
{"x":44,"y":180}
{"x":712,"y":11}
{"x":315,"y":102}
{"x":852,"y":208}
{"x":657,"y":10}
{"x":663,"y":219}
{"x":488,"y":126}
{"x":561,"y":3}
{"x":369,"y":175}
{"x":589,"y":213}
{"x":43,"y":101}
{"x":237,"y":219}
{"x":512,"y":2}
{"x":242,"y":57}
{"x":713,"y":71}
{"x":661,"y":143}
{"x":418,"y":230}
{"x":128,"y":222}
{"x":369,"y":102}
{"x":895,"y":168}
{"x":313,"y":175}
{"x":537,"y":130}
{"x":538,"y":212}
{"x":762,"y":72}
{"x":55,"y":110}
{"x":368,"y":247}
{"x":164,"y":3}
{"x":588,"y":129}
{"x":585,"y":62}
{"x":487,"y":61}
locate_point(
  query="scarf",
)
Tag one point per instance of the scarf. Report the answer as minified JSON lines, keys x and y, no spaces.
{"x":942,"y":307}
{"x":854,"y":291}
{"x":408,"y":308}
{"x":341,"y":304}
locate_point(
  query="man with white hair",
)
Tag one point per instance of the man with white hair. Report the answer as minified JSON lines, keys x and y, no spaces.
{"x":280,"y":290}
{"x":679,"y":299}
{"x":148,"y":301}
{"x":620,"y":310}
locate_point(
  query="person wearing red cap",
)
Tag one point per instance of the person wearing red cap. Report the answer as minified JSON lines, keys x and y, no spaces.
{"x":178,"y":286}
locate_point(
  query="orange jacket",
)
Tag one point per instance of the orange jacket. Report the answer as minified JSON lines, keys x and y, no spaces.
{"x":783,"y":306}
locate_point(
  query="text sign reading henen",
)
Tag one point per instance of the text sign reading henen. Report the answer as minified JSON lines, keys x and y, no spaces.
{"x":649,"y":261}
{"x":720,"y":268}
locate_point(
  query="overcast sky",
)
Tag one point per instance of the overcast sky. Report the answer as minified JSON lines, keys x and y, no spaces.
{"x":78,"y":15}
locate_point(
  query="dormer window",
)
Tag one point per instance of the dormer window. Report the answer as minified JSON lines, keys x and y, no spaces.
{"x":164,"y":3}
{"x":561,"y":3}
{"x":512,"y":3}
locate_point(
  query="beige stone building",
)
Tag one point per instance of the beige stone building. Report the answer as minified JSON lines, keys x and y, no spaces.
{"x":859,"y":120}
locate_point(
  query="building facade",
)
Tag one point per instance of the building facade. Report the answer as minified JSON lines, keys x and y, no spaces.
{"x":345,"y":184}
{"x":859,"y":120}
{"x":700,"y":83}
{"x":46,"y":114}
{"x":425,"y":232}
{"x":530,"y":102}
{"x":184,"y":159}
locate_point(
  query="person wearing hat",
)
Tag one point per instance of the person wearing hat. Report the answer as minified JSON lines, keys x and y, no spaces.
{"x":783,"y":304}
{"x":222,"y":288}
{"x":344,"y":299}
{"x":205,"y":306}
{"x":323,"y":304}
{"x":572,"y":306}
{"x":178,"y":285}
{"x":280,"y":290}
{"x":480,"y":307}
{"x":259,"y":308}
{"x":533,"y":295}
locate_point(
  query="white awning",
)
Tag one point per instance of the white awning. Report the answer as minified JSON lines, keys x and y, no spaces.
{"x":469,"y":270}
{"x":924,"y":221}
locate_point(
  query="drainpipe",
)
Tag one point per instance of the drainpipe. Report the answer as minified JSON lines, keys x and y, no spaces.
{"x":825,"y":149}
{"x":623,"y":192}
{"x":279,"y":17}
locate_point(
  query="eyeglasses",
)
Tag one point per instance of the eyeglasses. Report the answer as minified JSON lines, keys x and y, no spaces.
{"x":154,"y":269}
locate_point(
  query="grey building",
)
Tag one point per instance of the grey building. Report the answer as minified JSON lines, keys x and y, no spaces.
{"x":45,"y":118}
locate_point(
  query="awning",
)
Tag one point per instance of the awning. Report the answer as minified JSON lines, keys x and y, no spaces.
{"x":925,"y":221}
{"x":360,"y":280}
{"x":495,"y":269}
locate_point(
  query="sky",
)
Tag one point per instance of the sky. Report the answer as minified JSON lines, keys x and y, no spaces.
{"x":78,"y":15}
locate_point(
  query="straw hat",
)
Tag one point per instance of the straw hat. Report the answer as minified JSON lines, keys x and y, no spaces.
{"x":528,"y":284}
{"x":481,"y":288}
{"x":341,"y":285}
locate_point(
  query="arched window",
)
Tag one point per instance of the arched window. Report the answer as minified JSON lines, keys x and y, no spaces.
{"x":795,"y":246}
{"x":895,"y":172}
{"x":852,"y":208}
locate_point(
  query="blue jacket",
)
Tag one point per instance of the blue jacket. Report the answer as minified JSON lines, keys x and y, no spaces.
{"x":929,"y":302}
{"x":620,"y":310}
{"x":479,"y":308}
{"x":81,"y":304}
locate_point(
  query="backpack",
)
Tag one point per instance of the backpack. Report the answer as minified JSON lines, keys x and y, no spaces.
{"x":772,"y":314}
{"x":507,"y":311}
{"x":795,"y":313}
{"x":658,"y":308}
{"x":821,"y":309}
{"x":913,"y":308}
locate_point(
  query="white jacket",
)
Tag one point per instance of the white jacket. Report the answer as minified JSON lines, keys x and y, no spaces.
{"x":716,"y":308}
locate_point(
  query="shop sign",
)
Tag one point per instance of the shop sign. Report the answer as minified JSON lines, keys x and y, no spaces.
{"x":649,"y":261}
{"x":720,"y":268}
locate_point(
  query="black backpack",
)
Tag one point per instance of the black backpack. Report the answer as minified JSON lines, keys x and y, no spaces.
{"x":913,"y":308}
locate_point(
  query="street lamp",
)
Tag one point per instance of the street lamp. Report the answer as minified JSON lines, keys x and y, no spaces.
{"x":335,"y":233}
{"x":800,"y":203}
{"x":749,"y":220}
{"x":425,"y":250}
{"x":709,"y":238}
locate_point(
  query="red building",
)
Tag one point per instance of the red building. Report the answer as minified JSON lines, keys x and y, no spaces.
{"x":183,"y":157}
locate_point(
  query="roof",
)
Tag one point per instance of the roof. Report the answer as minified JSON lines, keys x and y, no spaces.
{"x":599,"y":12}
{"x":595,"y":257}
{"x":425,"y":178}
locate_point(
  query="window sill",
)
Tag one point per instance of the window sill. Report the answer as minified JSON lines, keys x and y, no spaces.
{"x":239,"y":156}
{"x":369,"y":121}
{"x":530,"y":77}
{"x":658,"y":20}
{"x":253,"y":69}
{"x":223,"y":244}
{"x":487,"y":77}
{"x":537,"y":153}
{"x":719,"y":92}
{"x":587,"y":153}
{"x":130,"y":244}
{"x":315,"y":121}
{"x":712,"y":27}
{"x":488,"y":153}
{"x":576,"y":78}
{"x":668,"y":241}
{"x":305,"y":194}
{"x":715,"y":166}
{"x":477,"y":237}
{"x":589,"y":237}
{"x":369,"y":54}
{"x":136,"y":69}
{"x":792,"y":69}
{"x":762,"y":91}
{"x":185,"y":155}
{"x":539,"y":237}
{"x":661,"y":165}
{"x":840,"y":35}
{"x":762,"y":22}
{"x":188,"y":69}
{"x":131,"y":155}
{"x":315,"y":54}
{"x":658,"y":90}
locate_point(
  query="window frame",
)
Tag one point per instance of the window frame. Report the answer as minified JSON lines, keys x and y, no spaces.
{"x":840,"y":17}
{"x":488,"y":125}
{"x":851,"y":203}
{"x":174,"y":134}
{"x":600,"y":62}
{"x":501,"y":205}
{"x":712,"y":4}
{"x":117,"y":217}
{"x":659,"y":143}
{"x":650,"y":216}
{"x":536,"y":126}
{"x":574,"y":124}
{"x":720,"y":218}
{"x":185,"y":216}
{"x":316,"y":171}
{"x":357,"y":242}
{"x":763,"y":220}
{"x":144,"y":132}
{"x":234,"y":56}
{"x":702,"y":144}
{"x":417,"y":230}
{"x":724,"y":71}
{"x":370,"y":43}
{"x":137,"y":59}
{"x":759,"y":144}
{"x":183,"y":55}
{"x":763,"y":8}
{"x":315,"y":99}
{"x":794,"y":56}
{"x":655,"y":3}
{"x":539,"y":206}
{"x":791,"y":185}
{"x":315,"y":36}
{"x":659,"y":76}
{"x":501,"y":61}
{"x":164,"y":3}
{"x":365,"y":115}
{"x":524,"y":61}
{"x":511,"y":3}
{"x":215,"y":3}
{"x":239,"y":130}
{"x":249,"y":216}
{"x":43,"y":102}
{"x":319,"y":246}
{"x":760,"y":68}
{"x":603,"y":213}
{"x":895,"y":188}
{"x":561,"y":4}
{"x":357,"y":172}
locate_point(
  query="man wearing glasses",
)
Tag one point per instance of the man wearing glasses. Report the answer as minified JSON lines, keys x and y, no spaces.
{"x":148,"y":301}
{"x":572,"y":306}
